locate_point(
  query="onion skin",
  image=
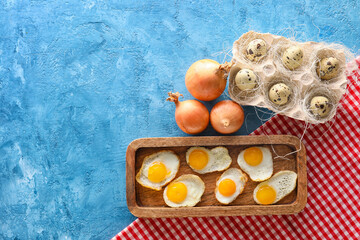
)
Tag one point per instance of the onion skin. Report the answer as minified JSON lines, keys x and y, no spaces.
{"x":206,"y":79}
{"x":227,"y":117}
{"x":191,"y":116}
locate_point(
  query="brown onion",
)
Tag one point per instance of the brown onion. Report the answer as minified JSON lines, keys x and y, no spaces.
{"x":227,"y":117}
{"x":206,"y":79}
{"x":191,"y":116}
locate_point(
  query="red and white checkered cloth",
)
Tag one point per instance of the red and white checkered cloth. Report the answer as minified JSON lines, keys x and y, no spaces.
{"x":333,"y":208}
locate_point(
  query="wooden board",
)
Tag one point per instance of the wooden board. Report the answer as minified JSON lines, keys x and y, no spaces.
{"x":144,"y":202}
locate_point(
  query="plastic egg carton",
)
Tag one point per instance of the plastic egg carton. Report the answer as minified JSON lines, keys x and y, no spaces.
{"x":304,"y":80}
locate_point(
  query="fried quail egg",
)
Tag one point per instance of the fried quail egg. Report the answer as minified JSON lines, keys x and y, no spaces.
{"x":229,"y":185}
{"x":203,"y":160}
{"x":185,"y":191}
{"x":276,"y":188}
{"x":257,"y":162}
{"x":158,"y":169}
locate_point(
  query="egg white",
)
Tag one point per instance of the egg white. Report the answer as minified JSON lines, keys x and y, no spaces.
{"x":283,"y":182}
{"x":219,"y":159}
{"x":260,"y":172}
{"x":171,"y":162}
{"x":240,"y":180}
{"x":195,"y":189}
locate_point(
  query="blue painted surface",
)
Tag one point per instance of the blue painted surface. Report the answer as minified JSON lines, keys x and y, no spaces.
{"x":79,"y":80}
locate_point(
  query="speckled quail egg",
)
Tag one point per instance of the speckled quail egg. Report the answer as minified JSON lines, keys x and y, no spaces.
{"x":202,"y":160}
{"x":245,"y":79}
{"x":185,"y":191}
{"x":230,"y":185}
{"x":158,"y":169}
{"x":320,"y":106}
{"x":280,"y":93}
{"x":293,"y":57}
{"x":256,"y":50}
{"x":328,"y":68}
{"x":276,"y":188}
{"x":257,"y":162}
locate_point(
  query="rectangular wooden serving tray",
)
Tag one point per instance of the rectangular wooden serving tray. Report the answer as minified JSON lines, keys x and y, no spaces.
{"x":144,"y":202}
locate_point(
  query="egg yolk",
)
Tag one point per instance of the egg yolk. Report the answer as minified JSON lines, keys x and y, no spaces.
{"x":198,"y":159}
{"x":266,"y":194}
{"x":157,"y":172}
{"x":227,"y":187}
{"x":176,"y":192}
{"x":253,"y":156}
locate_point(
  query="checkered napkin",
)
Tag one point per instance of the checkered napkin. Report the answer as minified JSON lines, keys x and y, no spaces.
{"x":333,"y":208}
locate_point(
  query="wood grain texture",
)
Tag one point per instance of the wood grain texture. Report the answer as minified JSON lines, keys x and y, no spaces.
{"x":144,"y":202}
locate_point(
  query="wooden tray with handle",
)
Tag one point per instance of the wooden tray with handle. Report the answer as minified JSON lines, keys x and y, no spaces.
{"x":288,"y":154}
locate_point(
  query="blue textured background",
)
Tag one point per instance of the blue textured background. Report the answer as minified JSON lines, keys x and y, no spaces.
{"x":79,"y":80}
